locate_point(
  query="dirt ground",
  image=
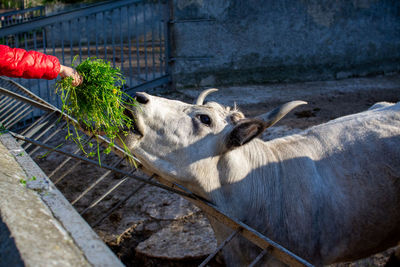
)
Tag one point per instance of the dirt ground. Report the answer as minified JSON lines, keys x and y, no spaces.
{"x":153,"y":211}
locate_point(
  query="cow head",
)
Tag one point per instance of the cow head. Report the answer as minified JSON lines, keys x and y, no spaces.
{"x":183,"y":142}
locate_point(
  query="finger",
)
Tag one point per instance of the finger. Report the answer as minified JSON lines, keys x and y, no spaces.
{"x":77,"y":80}
{"x":80,"y":80}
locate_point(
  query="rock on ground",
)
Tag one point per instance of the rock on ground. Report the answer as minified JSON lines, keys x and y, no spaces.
{"x":190,"y":238}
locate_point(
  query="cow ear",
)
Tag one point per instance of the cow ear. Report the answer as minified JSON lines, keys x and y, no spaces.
{"x":244,"y":132}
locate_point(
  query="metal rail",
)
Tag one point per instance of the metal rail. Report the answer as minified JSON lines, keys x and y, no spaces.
{"x":220,"y":247}
{"x":20,"y":16}
{"x":45,"y":125}
{"x":131,"y":34}
{"x":104,"y":166}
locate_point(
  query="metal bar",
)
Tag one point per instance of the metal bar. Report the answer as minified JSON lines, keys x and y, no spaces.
{"x":78,"y":20}
{"x":44,"y":117}
{"x":62,"y":44}
{"x":113,"y":36}
{"x":67,"y":159}
{"x":49,"y":137}
{"x":4,"y":99}
{"x":51,"y":92}
{"x":129,"y":47}
{"x":97,"y":201}
{"x":145,"y":42}
{"x":8,"y":103}
{"x":137,"y":41}
{"x":58,"y":99}
{"x":160,"y":24}
{"x":191,"y":20}
{"x":9,"y":110}
{"x":105,"y":36}
{"x":258,"y":258}
{"x":249,"y":233}
{"x":104,"y":166}
{"x":69,"y":15}
{"x":53,"y":39}
{"x":167,"y":37}
{"x":42,"y":132}
{"x":121,"y":40}
{"x":16,"y":37}
{"x":149,"y":85}
{"x":44,"y":51}
{"x":25,"y":91}
{"x":21,"y":11}
{"x":17,"y":117}
{"x":60,"y":178}
{"x":70,"y":40}
{"x":23,"y":116}
{"x":152,"y":41}
{"x":101,"y":178}
{"x":88,"y":34}
{"x":221,"y":246}
{"x":14,"y":110}
{"x":96,"y":33}
{"x":25,"y":99}
{"x":116,"y":206}
{"x":38,"y":129}
{"x":191,"y":58}
{"x":26,"y":48}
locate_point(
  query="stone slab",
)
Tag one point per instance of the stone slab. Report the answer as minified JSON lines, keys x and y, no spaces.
{"x":38,"y":224}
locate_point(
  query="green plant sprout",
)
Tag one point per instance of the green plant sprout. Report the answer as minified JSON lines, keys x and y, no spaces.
{"x":23,"y":181}
{"x":3,"y":129}
{"x":97,"y":104}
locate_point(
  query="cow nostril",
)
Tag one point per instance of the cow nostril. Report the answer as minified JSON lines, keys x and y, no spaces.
{"x":142,"y":99}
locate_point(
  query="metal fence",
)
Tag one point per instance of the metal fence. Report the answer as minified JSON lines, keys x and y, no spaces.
{"x":130,"y":34}
{"x":16,"y":102}
{"x":20,"y":16}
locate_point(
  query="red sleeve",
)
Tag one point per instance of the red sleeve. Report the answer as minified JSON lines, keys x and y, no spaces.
{"x":16,"y":62}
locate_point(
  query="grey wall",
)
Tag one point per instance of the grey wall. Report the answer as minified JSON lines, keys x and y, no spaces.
{"x":218,"y":42}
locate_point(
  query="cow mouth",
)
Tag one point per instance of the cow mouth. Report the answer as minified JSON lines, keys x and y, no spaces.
{"x":135,"y":128}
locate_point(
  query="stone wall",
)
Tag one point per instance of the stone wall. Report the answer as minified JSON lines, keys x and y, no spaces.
{"x":217,"y":42}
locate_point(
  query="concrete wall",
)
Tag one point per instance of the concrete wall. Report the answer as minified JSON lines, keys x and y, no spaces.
{"x":219,"y":42}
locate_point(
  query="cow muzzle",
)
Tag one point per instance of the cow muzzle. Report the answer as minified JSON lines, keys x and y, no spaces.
{"x":134,"y":127}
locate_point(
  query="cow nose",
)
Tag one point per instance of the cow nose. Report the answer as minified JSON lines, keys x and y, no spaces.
{"x":141,"y":98}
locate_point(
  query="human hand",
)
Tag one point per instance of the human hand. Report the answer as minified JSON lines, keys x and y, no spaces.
{"x":70,"y":72}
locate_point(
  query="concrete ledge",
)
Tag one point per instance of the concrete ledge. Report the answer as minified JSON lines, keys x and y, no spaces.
{"x":38,"y":226}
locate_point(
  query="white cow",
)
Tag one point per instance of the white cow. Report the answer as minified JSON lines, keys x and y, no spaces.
{"x":328,"y":194}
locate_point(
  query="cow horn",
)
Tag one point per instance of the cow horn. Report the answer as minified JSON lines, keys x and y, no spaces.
{"x":202,"y":96}
{"x":275,"y":115}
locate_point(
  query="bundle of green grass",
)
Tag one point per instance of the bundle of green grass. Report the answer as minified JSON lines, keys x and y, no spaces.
{"x":97,"y":104}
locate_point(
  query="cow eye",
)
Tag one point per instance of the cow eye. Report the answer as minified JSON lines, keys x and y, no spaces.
{"x":205,"y":119}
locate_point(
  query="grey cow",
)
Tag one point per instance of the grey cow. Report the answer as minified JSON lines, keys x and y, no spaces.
{"x":330,"y":193}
